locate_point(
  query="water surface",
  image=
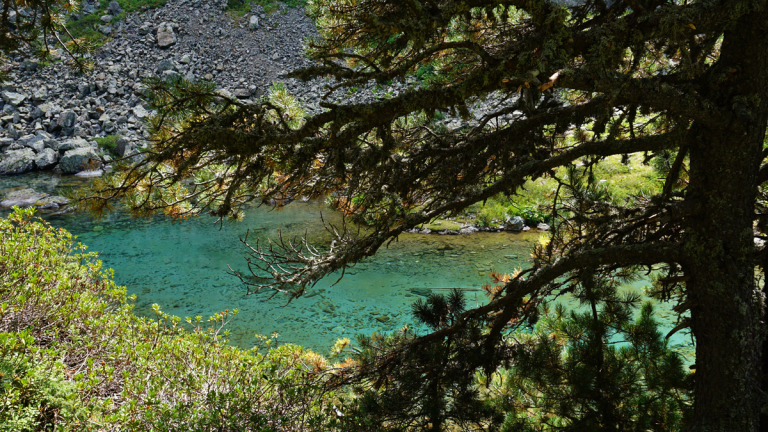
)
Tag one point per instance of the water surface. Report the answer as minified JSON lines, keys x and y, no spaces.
{"x":183,"y":267}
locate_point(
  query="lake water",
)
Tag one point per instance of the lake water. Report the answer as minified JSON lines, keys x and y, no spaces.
{"x":183,"y":268}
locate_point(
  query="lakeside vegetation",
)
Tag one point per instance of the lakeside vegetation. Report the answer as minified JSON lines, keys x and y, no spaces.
{"x":73,"y":356}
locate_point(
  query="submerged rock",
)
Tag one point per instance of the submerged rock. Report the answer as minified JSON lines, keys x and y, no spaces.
{"x":22,"y":198}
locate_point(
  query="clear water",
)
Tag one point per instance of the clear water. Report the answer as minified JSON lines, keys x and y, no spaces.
{"x":183,"y":268}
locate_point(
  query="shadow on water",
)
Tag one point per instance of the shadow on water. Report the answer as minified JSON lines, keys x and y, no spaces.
{"x":183,"y":268}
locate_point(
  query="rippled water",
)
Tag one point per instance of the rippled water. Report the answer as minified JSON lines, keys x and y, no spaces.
{"x":183,"y":267}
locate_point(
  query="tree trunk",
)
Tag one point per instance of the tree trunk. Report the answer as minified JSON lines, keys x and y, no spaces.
{"x":727,"y":306}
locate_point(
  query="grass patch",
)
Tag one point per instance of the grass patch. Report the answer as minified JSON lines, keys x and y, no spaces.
{"x":623,"y":181}
{"x":242,"y":7}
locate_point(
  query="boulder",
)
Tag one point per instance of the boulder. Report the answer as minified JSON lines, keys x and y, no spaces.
{"x":165,"y":65}
{"x":36,"y":143}
{"x":241,"y":93}
{"x":123,"y":147}
{"x":17,"y":161}
{"x":51,"y":202}
{"x":542,"y":227}
{"x":46,"y":158}
{"x":224,"y":93}
{"x":70,"y":144}
{"x":22,"y":198}
{"x":67,"y":121}
{"x":468,"y":230}
{"x":114,"y":8}
{"x":40,"y":94}
{"x":165,"y":35}
{"x":253,"y":22}
{"x":106,"y":18}
{"x":14,"y":98}
{"x":140,"y":112}
{"x":515,"y":223}
{"x":79,"y":159}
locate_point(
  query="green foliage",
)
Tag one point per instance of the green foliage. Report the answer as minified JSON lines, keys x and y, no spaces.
{"x":595,"y":370}
{"x":532,"y":214}
{"x":491,"y":214}
{"x":108,"y":142}
{"x":103,"y":367}
{"x":34,"y":394}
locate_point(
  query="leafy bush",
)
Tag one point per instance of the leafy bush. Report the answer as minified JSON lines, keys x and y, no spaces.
{"x":130,"y":373}
{"x":532,"y":214}
{"x":33,"y":392}
{"x":490,"y":214}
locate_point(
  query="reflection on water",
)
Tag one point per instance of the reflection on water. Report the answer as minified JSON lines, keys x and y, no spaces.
{"x":183,"y":267}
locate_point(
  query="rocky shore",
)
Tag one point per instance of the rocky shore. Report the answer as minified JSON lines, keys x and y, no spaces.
{"x":55,"y":119}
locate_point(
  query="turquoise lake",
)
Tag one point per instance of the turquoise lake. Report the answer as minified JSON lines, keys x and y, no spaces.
{"x":183,"y":268}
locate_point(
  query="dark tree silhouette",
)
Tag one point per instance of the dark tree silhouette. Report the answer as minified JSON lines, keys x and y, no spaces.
{"x":581,"y":82}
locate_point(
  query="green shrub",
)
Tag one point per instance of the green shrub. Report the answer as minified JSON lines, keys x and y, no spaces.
{"x":130,"y":373}
{"x":491,"y":214}
{"x":34,"y":394}
{"x":108,"y":142}
{"x":532,"y":214}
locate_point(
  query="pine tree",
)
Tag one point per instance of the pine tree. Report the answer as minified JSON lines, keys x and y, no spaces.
{"x":580,"y":82}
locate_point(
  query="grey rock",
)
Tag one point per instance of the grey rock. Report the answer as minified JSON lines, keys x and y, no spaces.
{"x":140,"y":112}
{"x":105,"y":30}
{"x":123,"y":147}
{"x":79,"y":159}
{"x":241,"y":93}
{"x":22,"y":198}
{"x":30,"y":66}
{"x":51,"y":202}
{"x":13,"y":98}
{"x":224,"y":93}
{"x":106,"y":18}
{"x":185,"y":59}
{"x":253,"y":22}
{"x":17,"y":161}
{"x":67,"y":119}
{"x":165,"y":65}
{"x":69,"y":144}
{"x":542,"y":227}
{"x":31,"y":141}
{"x":40,"y":94}
{"x":46,"y":159}
{"x":468,"y":230}
{"x":114,"y":8}
{"x":165,"y":36}
{"x":109,"y":127}
{"x":515,"y":223}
